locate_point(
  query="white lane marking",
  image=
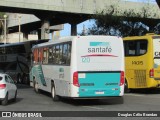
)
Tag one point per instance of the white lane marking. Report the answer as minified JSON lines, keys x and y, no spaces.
{"x":97,"y":108}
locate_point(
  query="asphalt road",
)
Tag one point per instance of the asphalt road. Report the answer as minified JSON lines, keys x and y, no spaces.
{"x":28,"y":100}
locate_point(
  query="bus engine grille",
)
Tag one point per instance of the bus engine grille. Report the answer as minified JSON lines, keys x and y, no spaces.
{"x":140,"y":78}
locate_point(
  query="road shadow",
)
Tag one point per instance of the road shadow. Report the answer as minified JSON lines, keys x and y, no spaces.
{"x":10,"y":102}
{"x":92,"y":102}
{"x":80,"y":102}
{"x":23,"y":86}
{"x":145,"y":91}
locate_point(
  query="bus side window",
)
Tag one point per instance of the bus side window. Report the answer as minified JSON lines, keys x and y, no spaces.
{"x":60,"y":54}
{"x":41,"y":55}
{"x":45,"y":55}
{"x":50,"y":55}
{"x":69,"y":54}
{"x":142,"y":47}
{"x":65,"y":53}
{"x":38,"y":55}
{"x":54,"y":55}
{"x":57,"y":54}
{"x":35,"y":55}
{"x":132,"y":48}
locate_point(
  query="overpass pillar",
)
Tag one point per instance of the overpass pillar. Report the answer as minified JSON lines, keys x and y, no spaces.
{"x":39,"y":34}
{"x":45,"y":29}
{"x":25,"y":36}
{"x":73,"y":29}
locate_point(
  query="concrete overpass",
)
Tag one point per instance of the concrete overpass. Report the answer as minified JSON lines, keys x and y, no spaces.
{"x":26,"y":22}
{"x":53,"y":12}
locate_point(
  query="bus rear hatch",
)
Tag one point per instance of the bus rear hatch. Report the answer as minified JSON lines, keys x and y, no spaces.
{"x":96,"y":84}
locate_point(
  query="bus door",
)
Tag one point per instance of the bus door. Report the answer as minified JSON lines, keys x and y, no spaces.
{"x":156,"y":53}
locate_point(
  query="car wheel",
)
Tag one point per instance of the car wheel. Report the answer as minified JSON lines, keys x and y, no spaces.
{"x":15,"y":96}
{"x":54,"y":96}
{"x":5,"y":101}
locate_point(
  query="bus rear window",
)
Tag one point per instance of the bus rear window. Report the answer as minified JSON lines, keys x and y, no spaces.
{"x":135,"y":47}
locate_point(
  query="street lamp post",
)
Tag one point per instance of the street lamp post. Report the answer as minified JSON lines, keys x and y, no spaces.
{"x":5,"y":29}
{"x":19,"y":23}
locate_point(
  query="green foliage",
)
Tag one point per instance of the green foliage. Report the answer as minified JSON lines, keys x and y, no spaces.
{"x":1,"y":15}
{"x":114,"y":22}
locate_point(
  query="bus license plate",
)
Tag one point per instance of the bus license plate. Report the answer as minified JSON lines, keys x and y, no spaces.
{"x":99,"y":92}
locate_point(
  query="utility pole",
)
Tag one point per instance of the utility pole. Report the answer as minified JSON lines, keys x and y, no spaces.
{"x":19,"y":23}
{"x":5,"y":29}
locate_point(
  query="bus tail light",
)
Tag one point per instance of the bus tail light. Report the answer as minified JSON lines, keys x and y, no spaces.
{"x":122,"y":78}
{"x":75,"y":79}
{"x":2,"y":86}
{"x":151,"y":73}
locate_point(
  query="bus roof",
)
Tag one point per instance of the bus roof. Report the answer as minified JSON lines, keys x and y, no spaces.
{"x":21,"y":43}
{"x":59,"y":40}
{"x":141,"y":37}
{"x":11,"y":44}
{"x":66,"y":39}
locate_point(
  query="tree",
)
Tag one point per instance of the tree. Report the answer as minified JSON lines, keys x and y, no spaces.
{"x":108,"y":22}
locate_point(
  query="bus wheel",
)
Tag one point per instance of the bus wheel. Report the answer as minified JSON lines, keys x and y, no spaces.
{"x":54,"y":96}
{"x":126,"y":89}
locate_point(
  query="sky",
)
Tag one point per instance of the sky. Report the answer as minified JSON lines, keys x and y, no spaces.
{"x":67,"y":27}
{"x":89,"y":23}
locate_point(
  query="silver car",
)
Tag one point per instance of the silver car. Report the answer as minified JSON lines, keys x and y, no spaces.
{"x":8,"y":89}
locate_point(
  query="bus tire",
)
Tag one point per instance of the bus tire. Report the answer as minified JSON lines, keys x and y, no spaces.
{"x":126,"y":89}
{"x":53,"y":92}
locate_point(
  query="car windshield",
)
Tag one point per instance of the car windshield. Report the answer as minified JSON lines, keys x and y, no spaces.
{"x":1,"y":78}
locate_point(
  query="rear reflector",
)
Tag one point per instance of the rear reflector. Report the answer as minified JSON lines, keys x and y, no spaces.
{"x":2,"y":86}
{"x":151,"y":73}
{"x":122,"y":78}
{"x":75,"y":79}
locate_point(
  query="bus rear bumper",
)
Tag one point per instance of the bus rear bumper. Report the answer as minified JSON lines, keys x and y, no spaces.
{"x":106,"y":97}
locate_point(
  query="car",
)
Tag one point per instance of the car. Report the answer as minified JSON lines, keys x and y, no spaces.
{"x":8,"y":89}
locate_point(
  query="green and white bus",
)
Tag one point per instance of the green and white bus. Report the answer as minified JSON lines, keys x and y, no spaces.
{"x":79,"y":67}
